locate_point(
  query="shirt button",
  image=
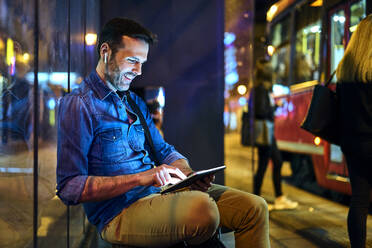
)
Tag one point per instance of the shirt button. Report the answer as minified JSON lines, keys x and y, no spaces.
{"x":114,"y":137}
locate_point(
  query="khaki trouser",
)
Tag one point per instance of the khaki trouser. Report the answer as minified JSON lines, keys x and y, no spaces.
{"x":191,"y":216}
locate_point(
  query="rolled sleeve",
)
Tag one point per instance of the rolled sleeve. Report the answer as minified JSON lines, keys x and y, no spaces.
{"x":173,"y":157}
{"x":71,"y":192}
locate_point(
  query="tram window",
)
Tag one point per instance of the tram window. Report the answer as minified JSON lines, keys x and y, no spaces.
{"x":280,"y":59}
{"x":336,"y":153}
{"x":337,"y":38}
{"x":357,"y":13}
{"x":280,"y":32}
{"x":280,"y":64}
{"x":307,"y":53}
{"x":308,"y":29}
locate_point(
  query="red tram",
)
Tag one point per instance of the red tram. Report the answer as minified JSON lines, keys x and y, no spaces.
{"x":307,"y":41}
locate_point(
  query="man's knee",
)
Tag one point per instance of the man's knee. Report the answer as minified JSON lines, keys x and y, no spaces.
{"x":260,"y":204}
{"x":258,"y":208}
{"x":202,"y":217}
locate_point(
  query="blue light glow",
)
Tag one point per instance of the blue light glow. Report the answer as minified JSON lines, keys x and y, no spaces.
{"x":229,"y":38}
{"x":226,"y":117}
{"x":56,"y":78}
{"x":282,"y":110}
{"x":51,"y":103}
{"x":290,"y":107}
{"x":16,"y":170}
{"x":279,"y":90}
{"x":161,"y":97}
{"x":233,"y":121}
{"x":232,"y":78}
{"x":242,"y":101}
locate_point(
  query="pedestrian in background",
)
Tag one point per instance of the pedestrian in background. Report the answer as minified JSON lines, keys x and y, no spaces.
{"x":354,"y":89}
{"x":264,"y":108}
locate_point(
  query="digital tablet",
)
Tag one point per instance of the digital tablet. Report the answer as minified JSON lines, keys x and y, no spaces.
{"x":191,"y":179}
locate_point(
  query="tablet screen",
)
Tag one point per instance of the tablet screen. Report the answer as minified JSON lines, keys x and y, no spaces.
{"x":191,"y":179}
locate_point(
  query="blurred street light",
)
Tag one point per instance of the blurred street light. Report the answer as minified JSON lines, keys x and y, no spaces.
{"x":90,"y":39}
{"x":242,"y":89}
{"x":26,"y":57}
{"x":317,"y":141}
{"x":270,"y":50}
{"x":271,"y":13}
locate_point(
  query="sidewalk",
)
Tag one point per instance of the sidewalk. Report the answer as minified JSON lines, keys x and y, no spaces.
{"x":317,"y":222}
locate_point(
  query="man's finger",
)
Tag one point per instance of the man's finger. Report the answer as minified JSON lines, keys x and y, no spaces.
{"x":177,"y":172}
{"x":174,"y":180}
{"x":158,"y":179}
{"x":166,"y":174}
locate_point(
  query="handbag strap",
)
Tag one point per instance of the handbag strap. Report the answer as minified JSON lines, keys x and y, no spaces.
{"x":138,"y":112}
{"x":330,"y":79}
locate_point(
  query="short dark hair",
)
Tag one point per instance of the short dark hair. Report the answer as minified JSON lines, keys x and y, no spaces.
{"x":113,"y":31}
{"x":263,"y":71}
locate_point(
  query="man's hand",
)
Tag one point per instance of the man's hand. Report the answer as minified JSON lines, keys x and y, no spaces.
{"x":203,"y":184}
{"x":161,"y":176}
{"x":183,"y":165}
{"x":99,"y":188}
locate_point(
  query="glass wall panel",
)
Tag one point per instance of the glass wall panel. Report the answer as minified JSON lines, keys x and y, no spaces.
{"x":53,"y":17}
{"x":17,"y":116}
{"x":16,"y":123}
{"x":78,"y":68}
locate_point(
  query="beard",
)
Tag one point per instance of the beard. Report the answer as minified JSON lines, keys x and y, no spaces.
{"x":117,"y":78}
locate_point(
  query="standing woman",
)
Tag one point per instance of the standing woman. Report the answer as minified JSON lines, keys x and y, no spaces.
{"x":264,"y":107}
{"x":354,"y":89}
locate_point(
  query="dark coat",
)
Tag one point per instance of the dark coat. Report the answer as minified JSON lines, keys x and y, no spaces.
{"x":355,"y":112}
{"x":262,"y":107}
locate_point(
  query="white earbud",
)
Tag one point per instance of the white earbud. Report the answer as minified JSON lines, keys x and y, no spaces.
{"x":105,"y":58}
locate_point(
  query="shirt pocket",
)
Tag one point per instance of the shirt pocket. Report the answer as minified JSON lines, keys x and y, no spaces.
{"x":136,"y":138}
{"x":112,"y":145}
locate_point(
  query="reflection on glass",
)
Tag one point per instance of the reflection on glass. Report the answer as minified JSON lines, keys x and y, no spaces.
{"x":337,"y":38}
{"x":280,"y":64}
{"x":53,"y":84}
{"x":336,"y":153}
{"x":357,"y":13}
{"x":280,"y":58}
{"x":18,"y":124}
{"x":307,"y":52}
{"x":16,"y":132}
{"x":280,"y":32}
{"x":155,"y":101}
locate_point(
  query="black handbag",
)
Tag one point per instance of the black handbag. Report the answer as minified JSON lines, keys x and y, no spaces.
{"x":256,"y":132}
{"x":322,"y":116}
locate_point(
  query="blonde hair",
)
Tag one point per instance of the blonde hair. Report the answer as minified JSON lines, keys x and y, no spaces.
{"x":356,"y":64}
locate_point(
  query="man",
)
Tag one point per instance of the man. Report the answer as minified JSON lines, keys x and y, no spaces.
{"x":104,"y":163}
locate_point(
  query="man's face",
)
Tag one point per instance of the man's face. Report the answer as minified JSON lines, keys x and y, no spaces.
{"x":126,"y":64}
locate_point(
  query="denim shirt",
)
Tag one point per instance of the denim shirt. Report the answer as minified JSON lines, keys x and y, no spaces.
{"x":95,"y":138}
